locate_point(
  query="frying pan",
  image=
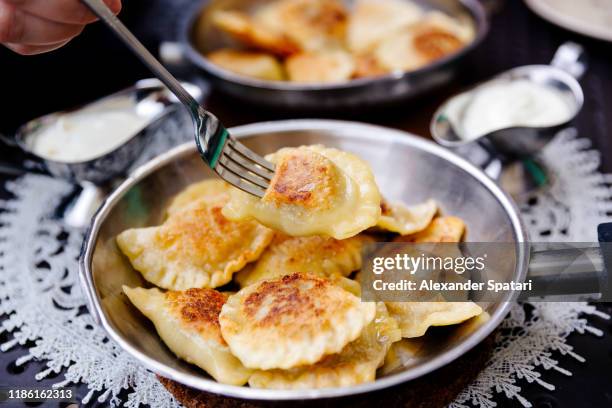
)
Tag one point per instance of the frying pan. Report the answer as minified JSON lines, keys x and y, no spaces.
{"x":407,"y":168}
{"x":197,"y":37}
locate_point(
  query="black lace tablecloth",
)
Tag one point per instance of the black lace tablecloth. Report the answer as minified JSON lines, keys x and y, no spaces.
{"x":96,"y":64}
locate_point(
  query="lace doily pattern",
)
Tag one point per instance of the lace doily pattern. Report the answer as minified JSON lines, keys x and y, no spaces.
{"x":42,"y":302}
{"x":577,"y":200}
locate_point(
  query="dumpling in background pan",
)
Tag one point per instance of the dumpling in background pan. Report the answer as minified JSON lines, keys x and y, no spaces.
{"x":367,"y":65}
{"x":292,"y":321}
{"x":327,"y":66}
{"x":373,"y":20}
{"x":315,"y":25}
{"x":195,"y":247}
{"x":415,"y":46}
{"x":243,"y":28}
{"x":188,"y":323}
{"x":355,"y":364}
{"x":249,"y":63}
{"x":315,"y":191}
{"x":321,"y":256}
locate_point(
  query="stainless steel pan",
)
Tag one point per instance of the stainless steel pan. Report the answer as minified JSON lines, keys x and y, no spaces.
{"x":407,"y":168}
{"x":361,"y":93}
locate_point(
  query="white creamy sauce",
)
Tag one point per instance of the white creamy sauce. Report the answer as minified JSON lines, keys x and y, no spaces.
{"x":89,"y":133}
{"x":509,"y":104}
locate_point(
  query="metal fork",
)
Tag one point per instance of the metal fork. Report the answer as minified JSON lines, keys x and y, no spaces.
{"x":230,"y":159}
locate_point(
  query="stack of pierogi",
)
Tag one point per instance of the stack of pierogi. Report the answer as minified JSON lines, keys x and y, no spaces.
{"x":263,"y":291}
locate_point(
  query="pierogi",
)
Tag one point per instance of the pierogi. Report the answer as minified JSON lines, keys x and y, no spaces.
{"x":291,"y":316}
{"x":414,"y":318}
{"x":242,"y":27}
{"x":315,"y":190}
{"x":355,"y":364}
{"x":333,"y":41}
{"x":188,"y":322}
{"x":374,"y":20}
{"x":441,"y":229}
{"x":402,"y":219}
{"x":210,"y":188}
{"x":313,"y":25}
{"x":292,"y":321}
{"x":195,"y":247}
{"x":316,"y":255}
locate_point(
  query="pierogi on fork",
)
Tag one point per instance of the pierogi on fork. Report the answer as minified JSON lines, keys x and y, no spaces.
{"x":287,"y":312}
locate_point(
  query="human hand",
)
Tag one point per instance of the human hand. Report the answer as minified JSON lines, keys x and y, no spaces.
{"x":36,"y":26}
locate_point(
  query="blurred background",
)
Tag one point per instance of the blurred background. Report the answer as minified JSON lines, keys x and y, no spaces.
{"x":95,"y":64}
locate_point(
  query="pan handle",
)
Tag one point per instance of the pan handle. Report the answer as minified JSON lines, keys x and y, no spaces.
{"x":561,"y":272}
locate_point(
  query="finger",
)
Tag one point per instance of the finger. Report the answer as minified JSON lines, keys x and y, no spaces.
{"x":19,"y":27}
{"x":34,"y":49}
{"x":62,"y":11}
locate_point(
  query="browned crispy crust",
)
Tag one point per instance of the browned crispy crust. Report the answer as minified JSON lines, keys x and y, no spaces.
{"x":368,"y":66}
{"x":199,"y":309}
{"x":303,"y":178}
{"x":434,"y":43}
{"x":187,"y":236}
{"x":288,"y":299}
{"x":384,"y":208}
{"x":314,"y":25}
{"x":300,"y":247}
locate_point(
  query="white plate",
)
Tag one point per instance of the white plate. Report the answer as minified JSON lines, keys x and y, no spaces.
{"x":589,"y":17}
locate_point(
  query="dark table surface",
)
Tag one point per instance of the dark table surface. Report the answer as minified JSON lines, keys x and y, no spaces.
{"x":95,"y":64}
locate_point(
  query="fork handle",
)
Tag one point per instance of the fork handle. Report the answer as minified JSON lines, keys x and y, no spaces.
{"x":106,"y":15}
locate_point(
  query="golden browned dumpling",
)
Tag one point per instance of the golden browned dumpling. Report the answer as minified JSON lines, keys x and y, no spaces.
{"x":210,"y":188}
{"x":441,"y":229}
{"x":325,"y":66}
{"x":291,"y":321}
{"x":399,"y":53}
{"x":367,"y":65}
{"x":402,"y":219}
{"x":194,"y":248}
{"x":403,"y":353}
{"x":316,"y":255}
{"x":188,"y":322}
{"x":350,"y":285}
{"x":242,"y":27}
{"x":373,"y":20}
{"x":355,"y":364}
{"x":314,"y":25}
{"x":461,"y":26}
{"x":315,"y":191}
{"x":248,"y":63}
{"x":414,"y":318}
{"x":436,"y":36}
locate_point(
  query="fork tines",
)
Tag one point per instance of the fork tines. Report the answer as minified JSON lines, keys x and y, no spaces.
{"x":241,"y":167}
